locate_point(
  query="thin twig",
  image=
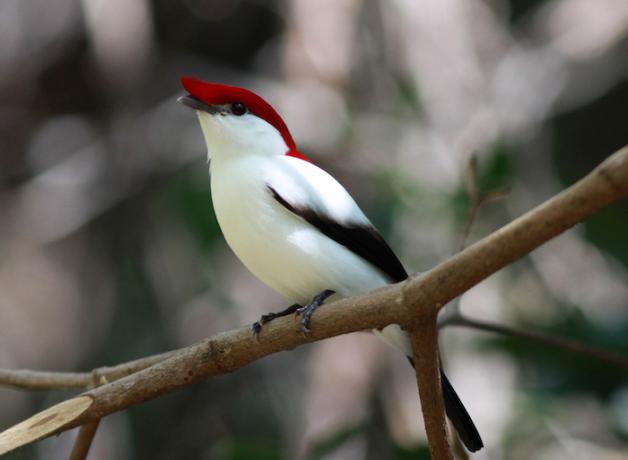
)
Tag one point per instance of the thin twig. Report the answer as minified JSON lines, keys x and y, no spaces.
{"x":84,"y":440}
{"x":419,"y":297}
{"x":87,"y":432}
{"x":424,"y":338}
{"x":26,"y":379}
{"x":477,"y":199}
{"x":563,"y":343}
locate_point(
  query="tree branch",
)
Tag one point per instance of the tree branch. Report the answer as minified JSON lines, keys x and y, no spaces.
{"x":563,"y":343}
{"x":26,"y":379}
{"x":84,"y":440}
{"x":87,"y":432}
{"x":424,"y":338}
{"x":417,"y":299}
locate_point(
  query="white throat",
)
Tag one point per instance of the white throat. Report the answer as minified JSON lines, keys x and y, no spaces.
{"x":228,"y":136}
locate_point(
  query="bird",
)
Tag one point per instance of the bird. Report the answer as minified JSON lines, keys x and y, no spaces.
{"x":292,"y":224}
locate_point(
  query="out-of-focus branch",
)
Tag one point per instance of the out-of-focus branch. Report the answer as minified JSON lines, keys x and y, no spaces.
{"x":563,"y":343}
{"x":417,"y":299}
{"x":27,"y":379}
{"x":477,"y":198}
{"x":424,"y":338}
{"x":87,"y":432}
{"x":84,"y":440}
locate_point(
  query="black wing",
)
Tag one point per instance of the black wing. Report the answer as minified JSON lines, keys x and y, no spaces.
{"x":362,"y":240}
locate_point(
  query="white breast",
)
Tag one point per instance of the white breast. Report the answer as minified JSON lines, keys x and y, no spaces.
{"x":280,"y":248}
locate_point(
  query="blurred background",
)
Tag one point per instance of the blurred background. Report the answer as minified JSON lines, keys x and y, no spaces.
{"x":109,"y":249}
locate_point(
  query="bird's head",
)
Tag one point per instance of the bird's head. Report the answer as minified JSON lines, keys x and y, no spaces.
{"x":236,"y":121}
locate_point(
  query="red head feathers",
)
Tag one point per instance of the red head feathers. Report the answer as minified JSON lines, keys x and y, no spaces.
{"x":216,"y":93}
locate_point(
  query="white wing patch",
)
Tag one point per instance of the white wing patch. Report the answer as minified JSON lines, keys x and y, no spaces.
{"x":303,"y":184}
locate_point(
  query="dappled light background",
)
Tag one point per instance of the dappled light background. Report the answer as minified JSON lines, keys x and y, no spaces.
{"x":110,"y":250}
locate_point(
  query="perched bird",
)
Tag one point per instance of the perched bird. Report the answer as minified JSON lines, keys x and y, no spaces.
{"x":291,"y":223}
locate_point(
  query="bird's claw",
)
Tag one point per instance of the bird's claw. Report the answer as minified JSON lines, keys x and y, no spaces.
{"x":256,"y":327}
{"x":308,"y":310}
{"x":304,"y":324}
{"x":305,"y":328}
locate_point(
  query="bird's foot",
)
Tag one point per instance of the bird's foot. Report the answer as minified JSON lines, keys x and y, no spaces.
{"x":307,"y":310}
{"x":256,"y":327}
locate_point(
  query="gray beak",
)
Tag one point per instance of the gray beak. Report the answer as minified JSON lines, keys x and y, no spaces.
{"x":195,"y":104}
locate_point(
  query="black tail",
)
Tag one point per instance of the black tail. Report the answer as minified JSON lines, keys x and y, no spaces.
{"x":459,"y":416}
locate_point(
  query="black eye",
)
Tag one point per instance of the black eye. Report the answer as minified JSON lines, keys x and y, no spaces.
{"x":238,"y":108}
